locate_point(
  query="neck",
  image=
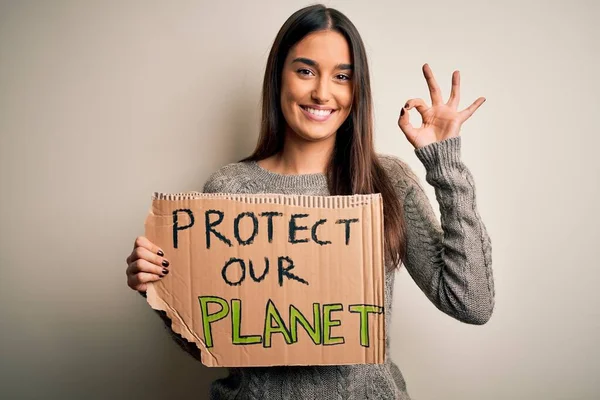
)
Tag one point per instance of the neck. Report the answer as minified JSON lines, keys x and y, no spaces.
{"x":300,"y":157}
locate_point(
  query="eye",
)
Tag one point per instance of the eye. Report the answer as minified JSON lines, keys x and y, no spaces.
{"x":344,"y":77}
{"x":305,"y":70}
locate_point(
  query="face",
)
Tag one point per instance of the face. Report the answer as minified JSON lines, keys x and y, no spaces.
{"x":316,"y":86}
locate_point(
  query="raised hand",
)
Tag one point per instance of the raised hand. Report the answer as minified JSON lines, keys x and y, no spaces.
{"x":441,"y":120}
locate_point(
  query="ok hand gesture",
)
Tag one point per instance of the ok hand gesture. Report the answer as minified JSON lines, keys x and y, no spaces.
{"x":441,"y":120}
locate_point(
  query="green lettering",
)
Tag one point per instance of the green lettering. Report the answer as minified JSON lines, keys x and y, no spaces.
{"x":207,"y":318}
{"x":328,"y":323}
{"x":364,"y":310}
{"x":236,"y":322}
{"x":271,"y":315}
{"x":313,"y":331}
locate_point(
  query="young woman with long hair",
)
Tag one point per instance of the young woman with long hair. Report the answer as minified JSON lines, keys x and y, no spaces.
{"x":316,"y":137}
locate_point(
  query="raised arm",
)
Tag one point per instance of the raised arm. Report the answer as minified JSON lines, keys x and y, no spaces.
{"x":451,"y":262}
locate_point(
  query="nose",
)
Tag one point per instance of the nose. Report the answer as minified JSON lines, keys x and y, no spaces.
{"x":321,"y":93}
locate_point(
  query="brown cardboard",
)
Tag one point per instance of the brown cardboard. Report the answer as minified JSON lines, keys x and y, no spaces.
{"x":340,"y":283}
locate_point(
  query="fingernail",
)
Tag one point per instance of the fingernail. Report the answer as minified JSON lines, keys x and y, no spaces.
{"x":165,"y":271}
{"x":402,"y":112}
{"x":165,"y":263}
{"x":160,"y":253}
{"x":406,"y":105}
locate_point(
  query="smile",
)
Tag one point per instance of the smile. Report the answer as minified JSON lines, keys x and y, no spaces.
{"x":317,"y":115}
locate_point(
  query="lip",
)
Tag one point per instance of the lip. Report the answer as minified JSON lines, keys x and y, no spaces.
{"x":317,"y":118}
{"x":316,"y":107}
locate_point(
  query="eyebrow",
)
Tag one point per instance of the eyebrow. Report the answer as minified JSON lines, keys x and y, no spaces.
{"x":313,"y":63}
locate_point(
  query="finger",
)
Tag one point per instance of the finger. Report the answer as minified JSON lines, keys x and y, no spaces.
{"x":145,"y":266}
{"x":434,"y":89}
{"x":145,"y":254}
{"x":405,"y":125}
{"x":454,"y":99}
{"x":467,"y":112}
{"x":419,"y":104}
{"x":139,"y":281}
{"x":142,"y":241}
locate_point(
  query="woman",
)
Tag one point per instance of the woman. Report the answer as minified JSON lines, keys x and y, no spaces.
{"x":317,"y":138}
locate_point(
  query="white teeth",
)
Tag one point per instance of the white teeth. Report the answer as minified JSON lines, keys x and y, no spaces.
{"x":320,"y":113}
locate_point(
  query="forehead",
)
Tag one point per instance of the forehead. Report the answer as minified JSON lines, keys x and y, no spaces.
{"x":328,"y":48}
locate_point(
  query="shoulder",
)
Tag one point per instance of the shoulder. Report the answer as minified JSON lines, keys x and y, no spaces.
{"x":401,"y":175}
{"x":230,"y":178}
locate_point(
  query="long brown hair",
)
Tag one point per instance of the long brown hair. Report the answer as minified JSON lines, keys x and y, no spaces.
{"x":354,"y":167}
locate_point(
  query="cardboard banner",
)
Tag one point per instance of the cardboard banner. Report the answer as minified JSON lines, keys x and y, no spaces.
{"x":267,"y":279}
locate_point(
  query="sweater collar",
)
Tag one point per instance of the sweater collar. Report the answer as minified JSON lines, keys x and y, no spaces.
{"x":273,"y":178}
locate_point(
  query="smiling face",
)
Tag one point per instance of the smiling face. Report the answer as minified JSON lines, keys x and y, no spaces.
{"x":316,"y":86}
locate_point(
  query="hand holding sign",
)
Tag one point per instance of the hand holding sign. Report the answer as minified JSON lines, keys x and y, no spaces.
{"x":145,"y":264}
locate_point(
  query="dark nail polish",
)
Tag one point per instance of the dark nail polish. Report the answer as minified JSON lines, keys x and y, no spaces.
{"x":160,"y":253}
{"x":406,"y":105}
{"x":402,"y":112}
{"x":165,"y":271}
{"x":162,"y":276}
{"x":165,"y":263}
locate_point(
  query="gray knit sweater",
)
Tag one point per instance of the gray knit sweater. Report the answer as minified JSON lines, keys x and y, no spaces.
{"x":451,"y":263}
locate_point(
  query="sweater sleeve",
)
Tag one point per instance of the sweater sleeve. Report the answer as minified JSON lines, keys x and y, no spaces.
{"x":212,"y":185}
{"x":451,"y":262}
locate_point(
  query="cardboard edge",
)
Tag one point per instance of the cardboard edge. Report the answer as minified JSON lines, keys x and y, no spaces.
{"x":384,"y":275}
{"x":179,"y":326}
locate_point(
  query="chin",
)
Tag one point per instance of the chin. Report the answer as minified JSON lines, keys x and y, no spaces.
{"x":313,"y":136}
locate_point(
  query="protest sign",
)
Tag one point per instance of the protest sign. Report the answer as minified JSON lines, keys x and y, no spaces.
{"x":269,"y":279}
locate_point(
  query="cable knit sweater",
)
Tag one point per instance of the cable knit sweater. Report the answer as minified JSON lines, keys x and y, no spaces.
{"x":451,"y":263}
